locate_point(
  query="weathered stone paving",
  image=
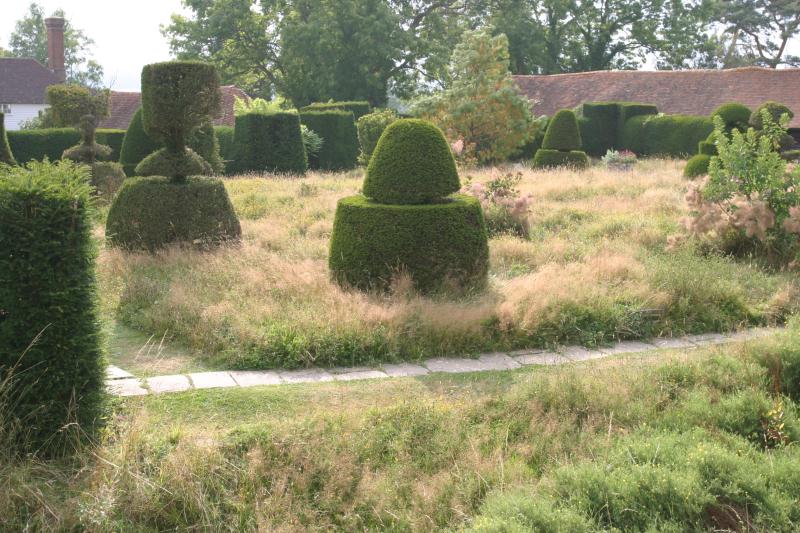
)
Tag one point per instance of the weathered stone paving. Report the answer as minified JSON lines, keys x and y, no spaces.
{"x":122,"y":383}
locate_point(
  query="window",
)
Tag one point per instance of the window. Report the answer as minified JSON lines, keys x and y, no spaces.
{"x":5,"y":108}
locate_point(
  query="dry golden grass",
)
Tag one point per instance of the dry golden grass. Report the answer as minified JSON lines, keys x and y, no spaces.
{"x":594,"y":263}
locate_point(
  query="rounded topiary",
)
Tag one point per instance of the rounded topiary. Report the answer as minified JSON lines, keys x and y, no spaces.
{"x":5,"y":150}
{"x":370,"y":128}
{"x":412,"y":164}
{"x":697,"y":166}
{"x":775,"y":109}
{"x":136,"y":145}
{"x":88,"y":151}
{"x":563,"y":133}
{"x":152,"y":212}
{"x":545,"y":158}
{"x":439,"y":245}
{"x":164,"y":162}
{"x":734,"y":115}
{"x":271,"y":142}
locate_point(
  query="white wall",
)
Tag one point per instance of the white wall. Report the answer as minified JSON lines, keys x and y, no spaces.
{"x":21,"y":113}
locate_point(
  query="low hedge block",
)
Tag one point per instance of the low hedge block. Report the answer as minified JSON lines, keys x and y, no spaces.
{"x":153,"y":212}
{"x":598,"y":126}
{"x":339,"y":139}
{"x":358,"y":108}
{"x":269,"y":142}
{"x":697,"y":166}
{"x":36,"y":145}
{"x":112,"y":138}
{"x":439,"y":245}
{"x":545,"y":158}
{"x":225,"y":139}
{"x":665,"y":135}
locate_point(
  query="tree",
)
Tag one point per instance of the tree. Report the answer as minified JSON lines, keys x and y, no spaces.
{"x":70,"y":103}
{"x":482,"y":106}
{"x":29,"y":39}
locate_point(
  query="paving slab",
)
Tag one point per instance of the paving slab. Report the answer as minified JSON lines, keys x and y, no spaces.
{"x":579,"y":353}
{"x":115,"y":372}
{"x":172,"y":383}
{"x":310,"y":375}
{"x":627,"y":347}
{"x":498,"y":361}
{"x":403,"y":370}
{"x":541,"y":358}
{"x":125,"y":387}
{"x":673,"y":343}
{"x":708,"y":339}
{"x":360,"y":374}
{"x":520,"y":353}
{"x":254,"y":378}
{"x":454,"y":365}
{"x":212,"y":380}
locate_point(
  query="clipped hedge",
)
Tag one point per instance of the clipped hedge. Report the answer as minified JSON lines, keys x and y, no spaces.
{"x":628,"y":110}
{"x":112,"y":138}
{"x":438,"y":245}
{"x":358,"y":108}
{"x":776,"y":110}
{"x":48,"y":293}
{"x":153,"y":212}
{"x":545,"y":158}
{"x":598,"y":127}
{"x":665,"y":135}
{"x":697,"y":165}
{"x":370,"y":128}
{"x":136,"y":145}
{"x":225,"y":139}
{"x":5,"y":150}
{"x":270,"y":142}
{"x":412,"y":164}
{"x":340,"y":139}
{"x":562,"y":132}
{"x":734,"y":115}
{"x":36,"y":145}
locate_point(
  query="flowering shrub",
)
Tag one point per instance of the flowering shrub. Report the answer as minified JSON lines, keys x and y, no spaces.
{"x":505,"y":209}
{"x":623,"y":160}
{"x":750,"y":200}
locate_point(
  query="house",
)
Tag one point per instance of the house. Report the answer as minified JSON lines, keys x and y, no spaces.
{"x":23,"y":81}
{"x":689,"y":92}
{"x":122,"y":106}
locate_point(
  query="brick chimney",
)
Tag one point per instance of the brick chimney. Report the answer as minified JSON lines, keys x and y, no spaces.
{"x":55,"y":46}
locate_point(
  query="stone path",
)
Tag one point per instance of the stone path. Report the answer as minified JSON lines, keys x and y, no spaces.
{"x":122,"y":383}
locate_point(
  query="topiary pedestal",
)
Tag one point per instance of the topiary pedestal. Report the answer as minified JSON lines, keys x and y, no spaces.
{"x":545,"y":158}
{"x":437,"y":244}
{"x":153,"y":212}
{"x":561,"y":145}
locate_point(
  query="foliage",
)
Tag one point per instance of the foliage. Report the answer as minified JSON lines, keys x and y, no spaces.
{"x":776,"y":111}
{"x":204,"y":142}
{"x":623,"y":160}
{"x":225,"y":140}
{"x":88,"y":151}
{"x":481,"y":106}
{"x":70,"y":103}
{"x":370,"y":128}
{"x":165,"y":162}
{"x":439,"y":246}
{"x":546,"y":158}
{"x":112,"y":138}
{"x":761,"y":30}
{"x":36,"y":145}
{"x":6,"y":156}
{"x":337,"y":129}
{"x":107,"y":178}
{"x":411,"y":164}
{"x":270,"y":142}
{"x":598,"y":125}
{"x":29,"y":39}
{"x":49,"y":331}
{"x":359,"y":109}
{"x":733,"y":115}
{"x":258,"y":105}
{"x":312,"y":142}
{"x":154,"y":212}
{"x":697,"y":165}
{"x":505,"y":209}
{"x":665,"y":135}
{"x":562,"y":132}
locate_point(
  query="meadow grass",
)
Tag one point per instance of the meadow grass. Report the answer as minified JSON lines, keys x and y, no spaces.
{"x":678,"y":441}
{"x":596,"y":269}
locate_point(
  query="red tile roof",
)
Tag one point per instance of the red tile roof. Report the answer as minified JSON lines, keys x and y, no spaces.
{"x":123,"y":105}
{"x":691,"y":92}
{"x":24,"y":80}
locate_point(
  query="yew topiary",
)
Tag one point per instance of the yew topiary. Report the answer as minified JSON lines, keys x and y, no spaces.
{"x":734,"y":115}
{"x":563,"y":133}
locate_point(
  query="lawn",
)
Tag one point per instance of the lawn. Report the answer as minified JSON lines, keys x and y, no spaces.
{"x":596,"y":268}
{"x":678,"y":441}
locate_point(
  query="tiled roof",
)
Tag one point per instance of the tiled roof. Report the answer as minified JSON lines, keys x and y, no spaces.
{"x":24,"y":80}
{"x":123,"y":105}
{"x":691,"y":92}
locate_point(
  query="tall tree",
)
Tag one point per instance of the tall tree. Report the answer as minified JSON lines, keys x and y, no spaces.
{"x":29,"y":39}
{"x":761,"y":29}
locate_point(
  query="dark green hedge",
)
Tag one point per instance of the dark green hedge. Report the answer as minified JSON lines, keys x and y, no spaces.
{"x":225,"y":139}
{"x":776,"y":110}
{"x":438,"y":245}
{"x":47,"y":289}
{"x":370,"y":128}
{"x":269,"y":142}
{"x":136,"y":145}
{"x":35,"y":145}
{"x":112,"y":138}
{"x":666,"y":135}
{"x":165,"y":162}
{"x":150,"y":213}
{"x":5,"y":150}
{"x":697,"y":166}
{"x":340,"y":139}
{"x":628,"y":110}
{"x":545,"y":158}
{"x":412,"y":164}
{"x":562,"y":132}
{"x":706,"y":148}
{"x":358,"y":108}
{"x":598,"y":126}
{"x":734,"y":115}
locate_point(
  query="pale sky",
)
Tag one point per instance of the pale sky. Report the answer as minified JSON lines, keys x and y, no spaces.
{"x":126,"y":33}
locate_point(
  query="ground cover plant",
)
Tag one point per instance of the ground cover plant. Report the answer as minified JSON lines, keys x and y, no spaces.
{"x":676,"y":441}
{"x":596,"y":267}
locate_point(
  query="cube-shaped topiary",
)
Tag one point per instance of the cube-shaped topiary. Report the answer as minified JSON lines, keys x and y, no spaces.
{"x":339,"y":139}
{"x":562,"y":132}
{"x":734,"y":115}
{"x":412,"y":164}
{"x":409,"y":220}
{"x":270,"y":142}
{"x":5,"y":150}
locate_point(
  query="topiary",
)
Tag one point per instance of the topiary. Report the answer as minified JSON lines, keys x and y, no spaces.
{"x":358,"y":108}
{"x":88,"y":151}
{"x":775,"y":109}
{"x":165,"y":162}
{"x":270,"y":142}
{"x":370,"y":128}
{"x":735,"y":116}
{"x":51,"y":357}
{"x":412,"y":164}
{"x":136,"y":145}
{"x":562,"y":132}
{"x":665,"y":135}
{"x":225,"y":140}
{"x":111,"y":138}
{"x":5,"y":150}
{"x":205,"y":144}
{"x":697,"y":166}
{"x":545,"y":158}
{"x":153,"y":212}
{"x":339,"y":139}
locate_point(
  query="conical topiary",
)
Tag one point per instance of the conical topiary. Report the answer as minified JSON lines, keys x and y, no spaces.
{"x":562,"y":132}
{"x":412,"y":164}
{"x":5,"y":150}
